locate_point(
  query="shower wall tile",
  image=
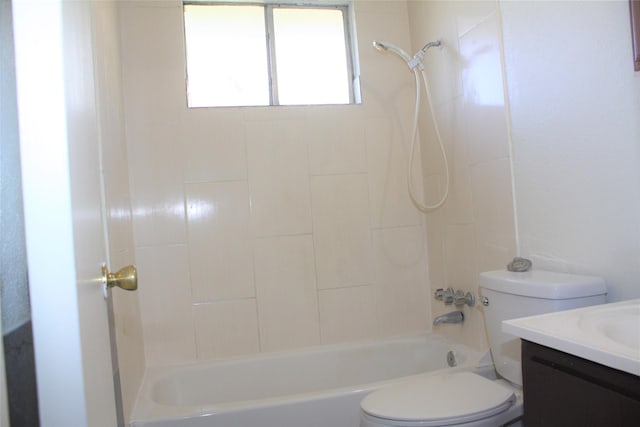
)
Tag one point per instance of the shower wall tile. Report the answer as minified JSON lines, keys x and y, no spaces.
{"x":342,"y":237}
{"x":226,"y":328}
{"x":153,"y":94}
{"x":387,"y":156}
{"x":286,"y":292}
{"x":470,"y":13}
{"x":382,"y":95}
{"x":278,"y":178}
{"x":400,"y":255}
{"x":485,"y":126}
{"x":447,"y":115}
{"x":339,"y":148}
{"x":156,"y":186}
{"x":153,"y":62}
{"x":474,"y":230}
{"x":165,"y":304}
{"x":493,"y":204}
{"x":401,"y":268}
{"x":114,"y":153}
{"x":270,"y":114}
{"x":434,"y":235}
{"x":127,"y":320}
{"x":272,"y":209}
{"x":214,"y":150}
{"x":220,"y":254}
{"x":119,"y":217}
{"x":486,"y":133}
{"x":437,"y":20}
{"x":460,"y":256}
{"x":129,"y":335}
{"x":459,"y":206}
{"x":347,"y":314}
{"x":125,"y":303}
{"x":461,"y":266}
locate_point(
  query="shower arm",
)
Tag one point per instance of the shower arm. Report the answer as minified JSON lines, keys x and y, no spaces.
{"x":419,"y":56}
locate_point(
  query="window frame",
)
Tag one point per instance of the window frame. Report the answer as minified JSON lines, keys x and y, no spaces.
{"x":268,"y":7}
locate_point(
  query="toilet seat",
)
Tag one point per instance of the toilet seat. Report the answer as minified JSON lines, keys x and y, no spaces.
{"x":439,"y":400}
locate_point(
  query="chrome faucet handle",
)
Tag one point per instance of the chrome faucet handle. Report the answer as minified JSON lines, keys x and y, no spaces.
{"x":460,"y":299}
{"x":446,"y":295}
{"x":449,"y":296}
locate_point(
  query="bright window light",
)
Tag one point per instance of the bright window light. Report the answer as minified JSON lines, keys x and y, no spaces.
{"x":311,"y":56}
{"x":226,"y":56}
{"x":267,"y":54}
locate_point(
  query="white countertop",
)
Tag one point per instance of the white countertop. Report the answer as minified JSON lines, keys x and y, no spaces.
{"x":608,"y":334}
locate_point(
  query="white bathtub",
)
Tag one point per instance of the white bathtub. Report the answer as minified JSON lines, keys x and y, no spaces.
{"x":316,"y":387}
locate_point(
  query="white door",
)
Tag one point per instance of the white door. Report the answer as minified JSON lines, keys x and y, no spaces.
{"x":63,"y":215}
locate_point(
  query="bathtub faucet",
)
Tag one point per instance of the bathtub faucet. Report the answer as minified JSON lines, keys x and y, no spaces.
{"x":453,"y":317}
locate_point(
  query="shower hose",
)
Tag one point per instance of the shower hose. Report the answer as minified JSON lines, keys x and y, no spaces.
{"x":418,"y":70}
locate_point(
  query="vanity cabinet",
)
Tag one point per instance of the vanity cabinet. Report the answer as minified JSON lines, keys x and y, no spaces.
{"x":564,"y":390}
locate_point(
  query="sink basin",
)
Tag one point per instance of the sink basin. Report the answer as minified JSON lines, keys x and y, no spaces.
{"x":620,"y":324}
{"x":608,"y":334}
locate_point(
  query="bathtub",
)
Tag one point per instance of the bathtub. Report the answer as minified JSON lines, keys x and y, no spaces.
{"x":314,"y":387}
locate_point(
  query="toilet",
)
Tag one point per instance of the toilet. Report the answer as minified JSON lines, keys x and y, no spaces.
{"x":468,"y":399}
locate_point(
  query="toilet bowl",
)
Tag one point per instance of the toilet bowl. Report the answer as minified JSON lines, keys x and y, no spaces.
{"x":457,"y":399}
{"x":467,"y":399}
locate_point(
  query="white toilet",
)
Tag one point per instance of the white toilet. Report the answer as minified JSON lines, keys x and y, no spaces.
{"x":468,"y":399}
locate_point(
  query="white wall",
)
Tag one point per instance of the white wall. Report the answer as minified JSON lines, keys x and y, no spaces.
{"x":575,"y":109}
{"x":262,"y":229}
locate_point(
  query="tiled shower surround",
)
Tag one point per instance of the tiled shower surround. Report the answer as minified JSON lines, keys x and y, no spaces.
{"x":270,"y":228}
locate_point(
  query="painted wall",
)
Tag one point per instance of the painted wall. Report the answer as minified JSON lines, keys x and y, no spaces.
{"x":575,"y":104}
{"x":125,"y":305}
{"x":474,"y":231}
{"x":263,"y":229}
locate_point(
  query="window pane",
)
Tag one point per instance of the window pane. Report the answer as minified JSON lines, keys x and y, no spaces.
{"x":226,"y":55}
{"x":311,"y":57}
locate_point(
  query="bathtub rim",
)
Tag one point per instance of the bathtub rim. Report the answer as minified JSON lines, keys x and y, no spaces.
{"x":146,"y":409}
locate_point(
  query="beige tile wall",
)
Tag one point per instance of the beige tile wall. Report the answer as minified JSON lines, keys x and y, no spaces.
{"x":263,"y":229}
{"x":474,"y":231}
{"x":127,"y":317}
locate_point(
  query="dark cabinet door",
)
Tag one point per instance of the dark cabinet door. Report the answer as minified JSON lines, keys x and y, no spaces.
{"x":564,"y":390}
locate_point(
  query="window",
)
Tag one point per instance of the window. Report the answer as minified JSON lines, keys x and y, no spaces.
{"x":245,"y":54}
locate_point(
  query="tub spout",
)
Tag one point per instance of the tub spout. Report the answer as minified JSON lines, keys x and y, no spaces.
{"x":453,"y":317}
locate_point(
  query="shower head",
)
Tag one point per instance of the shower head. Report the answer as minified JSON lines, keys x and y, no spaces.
{"x":436,"y":43}
{"x":379,"y":45}
{"x":384,"y":47}
{"x":416,"y":61}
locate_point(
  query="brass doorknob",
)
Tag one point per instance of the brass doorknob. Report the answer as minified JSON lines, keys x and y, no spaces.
{"x":126,"y":278}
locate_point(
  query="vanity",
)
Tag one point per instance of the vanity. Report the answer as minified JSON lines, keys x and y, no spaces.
{"x":581,"y":367}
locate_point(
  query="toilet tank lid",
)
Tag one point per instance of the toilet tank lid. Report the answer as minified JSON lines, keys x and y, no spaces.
{"x":543,"y":284}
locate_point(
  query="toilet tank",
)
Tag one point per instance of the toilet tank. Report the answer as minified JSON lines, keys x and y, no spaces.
{"x":508,"y":295}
